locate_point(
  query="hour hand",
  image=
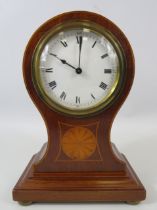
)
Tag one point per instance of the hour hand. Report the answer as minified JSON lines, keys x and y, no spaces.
{"x":62,"y":60}
{"x":56,"y":57}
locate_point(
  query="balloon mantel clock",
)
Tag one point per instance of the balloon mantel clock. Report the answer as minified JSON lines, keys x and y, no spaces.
{"x":78,"y":68}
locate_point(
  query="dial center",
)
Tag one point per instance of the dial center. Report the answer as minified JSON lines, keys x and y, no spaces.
{"x":78,"y":70}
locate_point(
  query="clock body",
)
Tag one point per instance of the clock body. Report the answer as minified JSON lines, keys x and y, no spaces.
{"x":78,"y":69}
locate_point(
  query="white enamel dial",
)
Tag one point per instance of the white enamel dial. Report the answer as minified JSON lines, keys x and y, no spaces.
{"x":78,"y":68}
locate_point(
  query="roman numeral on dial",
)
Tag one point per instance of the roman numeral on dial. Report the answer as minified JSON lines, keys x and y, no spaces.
{"x":93,"y":44}
{"x":108,"y":71}
{"x":47,"y":69}
{"x":77,"y":100}
{"x":78,"y":38}
{"x":103,"y":85}
{"x":92,"y":96}
{"x":52,"y":84}
{"x":63,"y":95}
{"x":64,"y":43}
{"x":104,"y":56}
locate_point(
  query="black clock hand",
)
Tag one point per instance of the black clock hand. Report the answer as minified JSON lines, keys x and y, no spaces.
{"x":63,"y":61}
{"x":80,"y":47}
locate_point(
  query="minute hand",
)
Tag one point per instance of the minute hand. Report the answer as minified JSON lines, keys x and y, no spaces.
{"x":63,"y":61}
{"x":80,"y":47}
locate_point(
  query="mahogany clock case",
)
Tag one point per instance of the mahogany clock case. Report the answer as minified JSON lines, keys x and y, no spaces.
{"x":53,"y":175}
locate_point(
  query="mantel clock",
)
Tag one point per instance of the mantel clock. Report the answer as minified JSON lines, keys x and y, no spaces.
{"x":78,"y":69}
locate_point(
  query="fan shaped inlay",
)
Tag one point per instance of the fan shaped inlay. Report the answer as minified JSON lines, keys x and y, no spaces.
{"x":78,"y":143}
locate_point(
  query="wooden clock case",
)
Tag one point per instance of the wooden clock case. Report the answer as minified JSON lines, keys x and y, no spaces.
{"x":53,"y":175}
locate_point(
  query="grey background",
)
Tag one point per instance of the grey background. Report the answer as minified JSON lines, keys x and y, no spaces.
{"x":22,"y":130}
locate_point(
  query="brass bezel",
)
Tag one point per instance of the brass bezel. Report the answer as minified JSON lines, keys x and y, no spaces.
{"x":120,"y":73}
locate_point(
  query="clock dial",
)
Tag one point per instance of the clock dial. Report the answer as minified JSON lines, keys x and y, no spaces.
{"x":78,"y":69}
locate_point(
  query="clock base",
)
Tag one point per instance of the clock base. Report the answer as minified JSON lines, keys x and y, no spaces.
{"x":79,"y":186}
